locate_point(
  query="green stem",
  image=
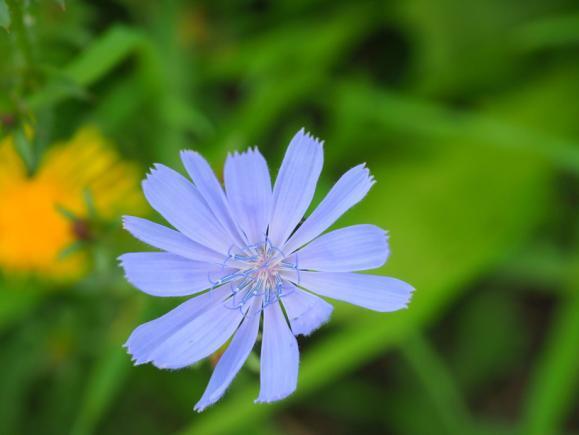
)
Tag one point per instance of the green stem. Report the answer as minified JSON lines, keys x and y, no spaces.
{"x":23,"y":39}
{"x":555,"y":378}
{"x":439,"y":385}
{"x":26,"y":78}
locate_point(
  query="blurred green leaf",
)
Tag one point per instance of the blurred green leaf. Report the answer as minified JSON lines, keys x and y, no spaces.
{"x":434,"y":122}
{"x":555,"y":378}
{"x":16,"y":304}
{"x":104,"y":54}
{"x":104,"y":382}
{"x":278,"y":70}
{"x":549,"y":32}
{"x":92,"y":64}
{"x":89,"y":203}
{"x":108,"y":374}
{"x":66,"y":213}
{"x":495,"y":353}
{"x":19,"y":359}
{"x":25,"y":148}
{"x":439,"y":385}
{"x":546,"y":266}
{"x":4,"y":15}
{"x":71,"y":249}
{"x":457,"y":45}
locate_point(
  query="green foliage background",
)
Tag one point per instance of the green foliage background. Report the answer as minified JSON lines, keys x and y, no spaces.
{"x":467,"y":114}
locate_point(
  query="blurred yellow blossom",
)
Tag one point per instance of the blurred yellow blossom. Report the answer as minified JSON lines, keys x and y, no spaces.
{"x":33,"y":232}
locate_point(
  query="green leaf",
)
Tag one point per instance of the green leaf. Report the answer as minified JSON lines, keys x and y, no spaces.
{"x":16,"y":303}
{"x":430,"y":121}
{"x":439,"y":384}
{"x":555,"y":32}
{"x":19,"y":359}
{"x":71,"y":249}
{"x":108,"y":373}
{"x":104,"y":382}
{"x":4,"y":15}
{"x":105,"y":53}
{"x":555,"y":378}
{"x":89,"y":202}
{"x":66,"y":213}
{"x":25,"y":148}
{"x":496,"y":354}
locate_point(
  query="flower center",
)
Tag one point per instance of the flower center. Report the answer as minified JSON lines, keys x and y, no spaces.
{"x":258,"y":275}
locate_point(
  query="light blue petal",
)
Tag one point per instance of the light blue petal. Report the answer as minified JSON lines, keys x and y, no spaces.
{"x":186,"y":339}
{"x":178,"y":201}
{"x":379,"y":293}
{"x":232,"y":360}
{"x":161,"y":237}
{"x":164,"y":274}
{"x":279,"y":357}
{"x":145,"y":339}
{"x":305,"y":312}
{"x":359,"y":247}
{"x":347,"y":192}
{"x":211,"y":191}
{"x":248,"y":187}
{"x":295,"y":185}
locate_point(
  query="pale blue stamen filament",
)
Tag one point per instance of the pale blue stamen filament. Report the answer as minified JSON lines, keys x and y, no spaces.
{"x":258,"y":275}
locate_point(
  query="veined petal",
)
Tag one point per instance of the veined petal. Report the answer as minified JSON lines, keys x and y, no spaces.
{"x":248,"y":187}
{"x":347,"y":192}
{"x":233,"y":359}
{"x":379,"y":293}
{"x":164,"y":274}
{"x":146,"y":338}
{"x":295,"y":185}
{"x":279,"y":357}
{"x":197,"y":337}
{"x":178,"y":201}
{"x":161,"y":237}
{"x":211,"y":191}
{"x":305,"y":312}
{"x":359,"y":247}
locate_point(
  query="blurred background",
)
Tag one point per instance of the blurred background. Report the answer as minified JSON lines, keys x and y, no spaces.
{"x":467,"y":114}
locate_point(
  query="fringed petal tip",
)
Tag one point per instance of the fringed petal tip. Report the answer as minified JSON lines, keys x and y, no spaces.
{"x":134,"y":359}
{"x":130,"y":351}
{"x":302,"y":326}
{"x":404,"y":299}
{"x":306,"y":312}
{"x":249,"y":150}
{"x":409,"y":297}
{"x":311,"y":137}
{"x":272,"y":399}
{"x":200,"y":407}
{"x":205,"y":403}
{"x":406,"y":291}
{"x":153,"y":169}
{"x":188,"y":152}
{"x":136,"y":362}
{"x":365,"y":170}
{"x":124,"y":220}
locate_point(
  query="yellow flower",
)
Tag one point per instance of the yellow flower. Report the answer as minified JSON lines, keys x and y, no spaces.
{"x":33,"y":232}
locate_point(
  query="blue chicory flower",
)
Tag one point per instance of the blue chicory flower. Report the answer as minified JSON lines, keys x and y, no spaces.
{"x":242,"y":249}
